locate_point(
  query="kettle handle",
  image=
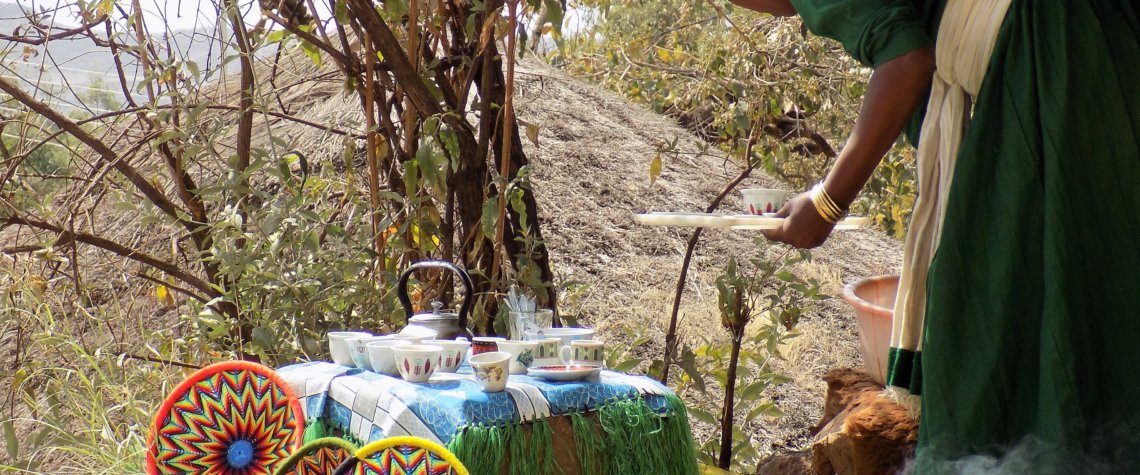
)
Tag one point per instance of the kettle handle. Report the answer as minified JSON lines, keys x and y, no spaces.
{"x":468,"y":287}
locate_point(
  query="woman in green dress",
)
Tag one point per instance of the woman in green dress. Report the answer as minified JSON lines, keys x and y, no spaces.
{"x":1029,"y":359}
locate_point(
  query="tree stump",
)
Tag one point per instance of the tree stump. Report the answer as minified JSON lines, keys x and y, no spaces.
{"x":862,"y":431}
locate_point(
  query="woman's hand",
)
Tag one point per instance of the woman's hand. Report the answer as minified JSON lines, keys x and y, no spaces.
{"x":803,"y":226}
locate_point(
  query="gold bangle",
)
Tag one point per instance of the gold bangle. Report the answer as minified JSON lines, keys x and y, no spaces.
{"x":825,"y":205}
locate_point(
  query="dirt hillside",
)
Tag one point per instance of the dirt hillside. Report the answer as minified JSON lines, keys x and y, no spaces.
{"x":591,"y":174}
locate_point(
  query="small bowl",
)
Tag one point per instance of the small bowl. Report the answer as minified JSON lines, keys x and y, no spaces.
{"x":338,"y":346}
{"x":491,"y":370}
{"x":416,"y":363}
{"x":764,"y":201}
{"x":358,"y":347}
{"x":381,"y":357}
{"x":453,"y":353}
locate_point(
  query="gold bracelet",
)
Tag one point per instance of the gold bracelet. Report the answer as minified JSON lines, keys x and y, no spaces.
{"x":826,"y":206}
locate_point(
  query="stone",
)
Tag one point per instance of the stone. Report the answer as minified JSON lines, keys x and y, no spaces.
{"x":862,"y":431}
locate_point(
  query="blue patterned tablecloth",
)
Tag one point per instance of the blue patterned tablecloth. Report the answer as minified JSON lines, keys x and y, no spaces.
{"x":371,"y":406}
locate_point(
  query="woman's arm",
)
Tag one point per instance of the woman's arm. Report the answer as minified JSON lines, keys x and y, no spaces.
{"x":894,"y":92}
{"x":774,"y":7}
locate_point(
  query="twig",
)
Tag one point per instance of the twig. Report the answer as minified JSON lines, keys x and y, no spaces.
{"x":119,"y":249}
{"x":180,"y":290}
{"x":671,"y":334}
{"x":152,"y":359}
{"x":57,"y":36}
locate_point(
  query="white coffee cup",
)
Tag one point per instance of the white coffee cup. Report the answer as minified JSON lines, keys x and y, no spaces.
{"x":358,"y":347}
{"x":381,"y":356}
{"x":566,"y":334}
{"x":416,"y":363}
{"x":522,"y":354}
{"x":764,"y":201}
{"x":491,"y":370}
{"x":338,"y":346}
{"x":584,"y":353}
{"x":547,"y":352}
{"x":454,"y":352}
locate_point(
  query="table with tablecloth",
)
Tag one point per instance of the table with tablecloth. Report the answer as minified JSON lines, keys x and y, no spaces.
{"x":614,"y":423}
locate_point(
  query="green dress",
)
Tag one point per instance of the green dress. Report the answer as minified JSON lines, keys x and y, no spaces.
{"x":1031,"y":347}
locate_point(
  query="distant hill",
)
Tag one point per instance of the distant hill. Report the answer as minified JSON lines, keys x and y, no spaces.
{"x":78,"y":67}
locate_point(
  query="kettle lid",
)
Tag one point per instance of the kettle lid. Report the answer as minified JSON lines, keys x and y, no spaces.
{"x":435,"y":314}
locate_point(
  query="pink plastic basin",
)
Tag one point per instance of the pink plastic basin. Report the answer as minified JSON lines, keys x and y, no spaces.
{"x":874,"y":302}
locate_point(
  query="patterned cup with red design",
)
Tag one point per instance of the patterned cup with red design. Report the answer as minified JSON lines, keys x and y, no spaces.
{"x":416,"y":363}
{"x":764,"y":201}
{"x":485,"y":344}
{"x":454,"y":351}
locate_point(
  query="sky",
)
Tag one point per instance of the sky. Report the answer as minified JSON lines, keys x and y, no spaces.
{"x":178,"y":14}
{"x":202,"y":14}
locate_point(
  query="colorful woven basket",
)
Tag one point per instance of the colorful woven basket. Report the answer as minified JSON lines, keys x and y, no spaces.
{"x":319,"y":457}
{"x":403,"y":456}
{"x":231,"y":418}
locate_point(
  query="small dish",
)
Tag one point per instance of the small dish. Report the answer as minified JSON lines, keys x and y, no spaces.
{"x":564,"y":372}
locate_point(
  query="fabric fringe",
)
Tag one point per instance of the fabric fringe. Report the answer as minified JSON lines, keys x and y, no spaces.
{"x":677,"y":437}
{"x":589,"y":444}
{"x":626,"y":437}
{"x":901,"y":396}
{"x":315,"y":429}
{"x":323,"y":427}
{"x":480,"y":448}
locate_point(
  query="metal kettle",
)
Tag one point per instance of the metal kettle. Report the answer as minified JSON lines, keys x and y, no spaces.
{"x":447,"y":325}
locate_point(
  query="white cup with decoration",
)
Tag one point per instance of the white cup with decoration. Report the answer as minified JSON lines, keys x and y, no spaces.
{"x":522,"y":354}
{"x":584,"y":353}
{"x":453,"y":353}
{"x":547,"y":352}
{"x":491,"y":370}
{"x":416,"y":363}
{"x":339,"y":349}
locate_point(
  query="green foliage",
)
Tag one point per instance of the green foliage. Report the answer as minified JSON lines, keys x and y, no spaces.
{"x":299,"y":267}
{"x":81,"y":405}
{"x":760,"y":303}
{"x":720,"y":69}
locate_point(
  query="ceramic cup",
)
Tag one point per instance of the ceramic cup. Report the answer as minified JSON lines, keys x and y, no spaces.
{"x":547,"y":352}
{"x":416,"y":363}
{"x":522,"y":354}
{"x":338,"y":346}
{"x":453,"y":353}
{"x":761,"y":201}
{"x":566,"y":334}
{"x":491,"y":370}
{"x":358,"y":347}
{"x":381,"y":357}
{"x":584,"y":353}
{"x":485,"y":344}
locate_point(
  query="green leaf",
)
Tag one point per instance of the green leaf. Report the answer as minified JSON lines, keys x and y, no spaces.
{"x":11,"y":443}
{"x":396,"y":9}
{"x":312,"y":52}
{"x":263,"y":337}
{"x":340,"y":10}
{"x":688,"y":363}
{"x":555,"y":15}
{"x":751,"y":391}
{"x":703,"y":416}
{"x":627,"y":365}
{"x":490,"y":217}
